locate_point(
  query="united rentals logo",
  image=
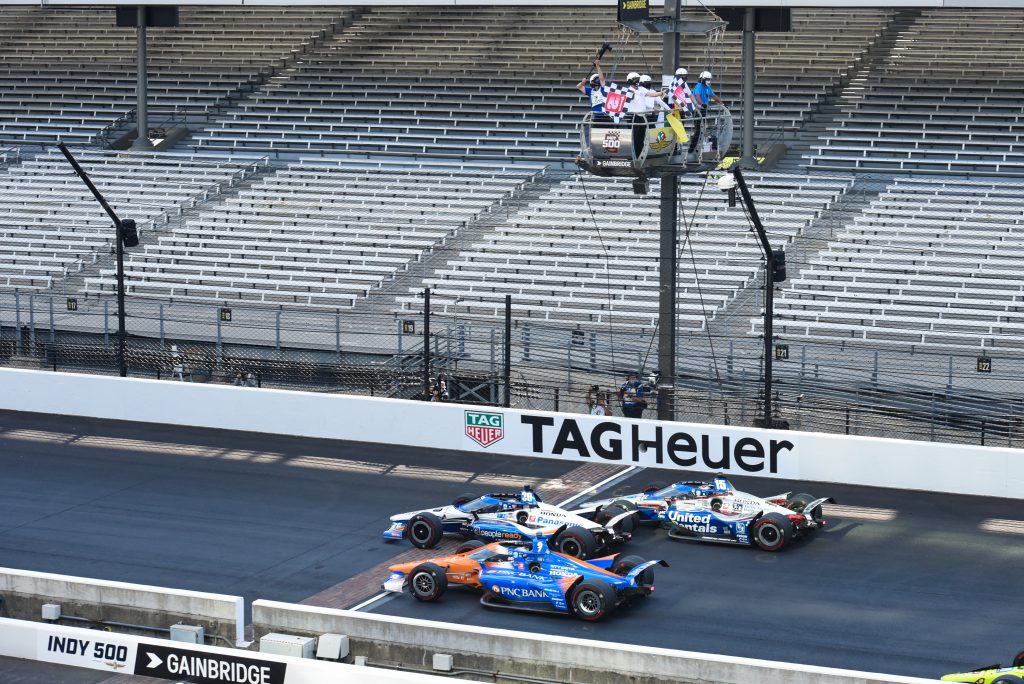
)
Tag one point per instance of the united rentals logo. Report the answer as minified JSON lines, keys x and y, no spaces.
{"x":484,"y":428}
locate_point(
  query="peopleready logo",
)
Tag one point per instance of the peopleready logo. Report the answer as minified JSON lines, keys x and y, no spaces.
{"x":653,"y":445}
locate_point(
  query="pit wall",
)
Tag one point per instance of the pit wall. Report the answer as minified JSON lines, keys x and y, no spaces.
{"x":732,"y":450}
{"x":385,"y":639}
{"x":24,"y":592}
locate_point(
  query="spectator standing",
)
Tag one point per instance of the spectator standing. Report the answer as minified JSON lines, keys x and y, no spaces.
{"x":596,"y":89}
{"x":703,"y":95}
{"x":632,"y":395}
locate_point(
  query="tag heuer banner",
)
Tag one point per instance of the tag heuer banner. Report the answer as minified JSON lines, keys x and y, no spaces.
{"x":633,"y":10}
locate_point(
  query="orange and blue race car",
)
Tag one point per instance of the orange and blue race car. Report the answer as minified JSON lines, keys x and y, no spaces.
{"x":530,"y":578}
{"x":992,"y":674}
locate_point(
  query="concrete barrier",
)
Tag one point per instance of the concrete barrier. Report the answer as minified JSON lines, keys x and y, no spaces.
{"x":24,"y":592}
{"x":410,"y":642}
{"x":733,"y":450}
{"x":127,"y":654}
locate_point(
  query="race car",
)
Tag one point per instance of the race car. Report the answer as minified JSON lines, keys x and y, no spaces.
{"x":530,"y":578}
{"x":992,"y":674}
{"x":716,"y":511}
{"x":513,"y":516}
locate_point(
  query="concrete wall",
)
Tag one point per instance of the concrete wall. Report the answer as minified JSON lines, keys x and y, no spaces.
{"x":733,"y":450}
{"x":412,"y":642}
{"x":24,"y":592}
{"x":33,"y":641}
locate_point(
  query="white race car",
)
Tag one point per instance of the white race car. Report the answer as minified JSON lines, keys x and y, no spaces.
{"x":513,"y":517}
{"x":717,"y":512}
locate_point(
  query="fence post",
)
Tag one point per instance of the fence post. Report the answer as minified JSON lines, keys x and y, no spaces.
{"x":277,"y":330}
{"x":106,"y":323}
{"x":593,"y":351}
{"x":162,"y":344}
{"x":803,"y":361}
{"x":526,"y":341}
{"x":461,"y":328}
{"x":556,"y":398}
{"x":17,"y":323}
{"x":568,"y":366}
{"x":729,"y":360}
{"x":53,"y":329}
{"x":949,"y":378}
{"x":847,"y":420}
{"x":507,"y":398}
{"x":400,"y":334}
{"x":32,"y":324}
{"x":426,"y":342}
{"x":337,"y":334}
{"x":220,"y":349}
{"x":874,"y":373}
{"x":494,"y":363}
{"x":982,"y":432}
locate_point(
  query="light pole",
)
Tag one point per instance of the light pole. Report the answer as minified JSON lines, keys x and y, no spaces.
{"x":126,"y":236}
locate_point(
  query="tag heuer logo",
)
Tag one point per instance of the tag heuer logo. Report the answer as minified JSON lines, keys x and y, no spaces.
{"x":484,"y":428}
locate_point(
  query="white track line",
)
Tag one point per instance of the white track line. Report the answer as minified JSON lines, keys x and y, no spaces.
{"x":370,"y":601}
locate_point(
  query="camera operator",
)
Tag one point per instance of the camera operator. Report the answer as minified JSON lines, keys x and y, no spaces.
{"x":632,"y":395}
{"x":597,"y":402}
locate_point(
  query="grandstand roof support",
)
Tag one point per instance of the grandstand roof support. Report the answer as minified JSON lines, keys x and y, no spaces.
{"x":667,"y":249}
{"x":747,"y":159}
{"x":141,"y":115}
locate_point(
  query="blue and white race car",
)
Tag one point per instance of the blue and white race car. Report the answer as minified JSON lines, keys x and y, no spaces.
{"x":532,"y":578}
{"x":715,"y":511}
{"x":512,"y":517}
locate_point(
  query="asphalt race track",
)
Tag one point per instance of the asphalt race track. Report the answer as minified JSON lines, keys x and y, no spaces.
{"x":258,"y":516}
{"x":905,"y":583}
{"x":923,"y":594}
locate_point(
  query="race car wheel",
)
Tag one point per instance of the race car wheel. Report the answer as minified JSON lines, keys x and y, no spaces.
{"x":592,"y":599}
{"x":577,"y":542}
{"x":772,"y":532}
{"x":624,"y":526}
{"x":653,"y":487}
{"x":1018,"y":660}
{"x":463,"y":498}
{"x":424,"y":530}
{"x":797,"y":503}
{"x":471,"y":545}
{"x":1008,"y":679}
{"x":428,"y":582}
{"x":624,"y":564}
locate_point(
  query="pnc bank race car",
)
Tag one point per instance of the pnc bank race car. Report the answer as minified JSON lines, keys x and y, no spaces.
{"x":992,"y":674}
{"x":530,"y":578}
{"x":512,"y":517}
{"x":715,"y":511}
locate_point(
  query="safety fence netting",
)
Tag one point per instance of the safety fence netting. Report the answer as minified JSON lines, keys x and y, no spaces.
{"x":852,"y":388}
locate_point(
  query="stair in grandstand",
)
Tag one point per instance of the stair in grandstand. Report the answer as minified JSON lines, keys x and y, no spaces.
{"x":383,"y":300}
{"x":848,"y":90}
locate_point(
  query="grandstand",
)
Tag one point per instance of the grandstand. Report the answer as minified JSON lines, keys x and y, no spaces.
{"x":342,"y":159}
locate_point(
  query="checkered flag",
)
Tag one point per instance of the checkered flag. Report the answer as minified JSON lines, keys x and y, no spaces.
{"x":679,"y":93}
{"x":618,"y":98}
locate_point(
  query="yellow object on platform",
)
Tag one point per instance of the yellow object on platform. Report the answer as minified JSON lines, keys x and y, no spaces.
{"x":677,"y":126}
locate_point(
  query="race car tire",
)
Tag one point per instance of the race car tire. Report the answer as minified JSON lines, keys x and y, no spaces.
{"x":1008,"y":679}
{"x":427,"y":582}
{"x":1018,"y":660}
{"x":797,"y":503}
{"x":471,"y":545}
{"x":577,"y":542}
{"x":592,"y":599}
{"x":624,"y":564}
{"x":424,"y":530}
{"x":624,"y":526}
{"x":653,"y":487}
{"x":772,"y":532}
{"x":463,"y":498}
